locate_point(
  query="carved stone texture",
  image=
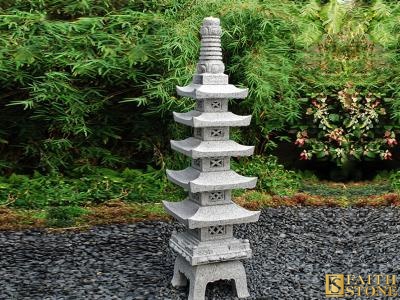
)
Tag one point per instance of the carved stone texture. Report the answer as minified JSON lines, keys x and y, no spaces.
{"x":210,"y":52}
{"x":211,"y":198}
{"x":207,"y":251}
{"x":200,"y":275}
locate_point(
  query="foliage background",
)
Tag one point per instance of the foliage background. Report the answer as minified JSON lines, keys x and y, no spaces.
{"x":88,"y":86}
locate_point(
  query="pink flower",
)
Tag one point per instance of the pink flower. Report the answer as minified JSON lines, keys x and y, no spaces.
{"x":391,"y":142}
{"x":304,"y":155}
{"x":301,"y":138}
{"x":300,"y":142}
{"x":376,"y":104}
{"x":390,"y":138}
{"x":336,"y":135}
{"x":387,"y":155}
{"x":315,"y":103}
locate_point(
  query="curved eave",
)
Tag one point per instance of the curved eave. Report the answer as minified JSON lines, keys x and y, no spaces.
{"x":195,"y":216}
{"x":198,"y":119}
{"x":196,"y":181}
{"x":224,"y":180}
{"x":183,"y":177}
{"x":196,"y":148}
{"x":218,"y":91}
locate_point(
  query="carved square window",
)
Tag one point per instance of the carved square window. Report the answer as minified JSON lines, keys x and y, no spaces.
{"x":216,"y":162}
{"x":196,"y":197}
{"x":200,"y":105}
{"x":196,"y":162}
{"x":217,"y":230}
{"x":216,"y":196}
{"x":216,"y":104}
{"x":217,"y":132}
{"x":197,"y":132}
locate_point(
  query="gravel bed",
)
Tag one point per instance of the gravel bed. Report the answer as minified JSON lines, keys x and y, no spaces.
{"x":293,"y":249}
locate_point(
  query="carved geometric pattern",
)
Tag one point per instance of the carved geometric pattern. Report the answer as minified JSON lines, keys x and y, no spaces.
{"x":196,"y":197}
{"x":216,"y":230}
{"x":216,"y":104}
{"x":216,"y":162}
{"x":197,"y":162}
{"x":216,"y":196}
{"x":216,"y":132}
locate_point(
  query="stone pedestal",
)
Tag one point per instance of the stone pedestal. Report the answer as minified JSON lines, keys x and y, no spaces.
{"x":207,"y":250}
{"x":200,"y":275}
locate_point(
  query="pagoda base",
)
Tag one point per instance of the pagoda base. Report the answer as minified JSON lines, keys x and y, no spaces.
{"x":199,"y":276}
{"x":197,"y":252}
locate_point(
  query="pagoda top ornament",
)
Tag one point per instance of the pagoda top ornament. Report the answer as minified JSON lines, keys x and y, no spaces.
{"x":210,"y":80}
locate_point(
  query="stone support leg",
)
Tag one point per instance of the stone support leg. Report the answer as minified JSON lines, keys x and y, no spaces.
{"x":199,"y":276}
{"x":179,"y":279}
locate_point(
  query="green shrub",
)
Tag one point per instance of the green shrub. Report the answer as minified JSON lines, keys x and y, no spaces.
{"x":347,"y":125}
{"x":63,"y":216}
{"x":364,"y":190}
{"x":92,"y":83}
{"x":395,"y":181}
{"x":272,"y":177}
{"x":354,"y":112}
{"x":87,"y":84}
{"x":97,"y":187}
{"x":65,"y":67}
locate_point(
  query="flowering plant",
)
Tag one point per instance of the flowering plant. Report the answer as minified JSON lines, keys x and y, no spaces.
{"x":346,"y":126}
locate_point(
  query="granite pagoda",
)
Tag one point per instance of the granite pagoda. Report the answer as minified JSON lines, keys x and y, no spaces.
{"x":207,"y":251}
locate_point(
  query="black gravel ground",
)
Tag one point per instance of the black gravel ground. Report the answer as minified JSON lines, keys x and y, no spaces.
{"x":293,"y":250}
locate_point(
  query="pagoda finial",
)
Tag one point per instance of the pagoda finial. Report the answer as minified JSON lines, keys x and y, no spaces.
{"x":210,"y":60}
{"x":209,"y":80}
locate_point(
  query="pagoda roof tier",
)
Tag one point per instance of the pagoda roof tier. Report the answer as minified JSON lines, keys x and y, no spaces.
{"x":196,"y":148}
{"x":213,"y":91}
{"x":195,"y":216}
{"x":196,"y":118}
{"x":196,"y":181}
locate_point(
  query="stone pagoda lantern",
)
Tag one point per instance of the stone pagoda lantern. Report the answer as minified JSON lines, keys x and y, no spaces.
{"x":207,"y":250}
